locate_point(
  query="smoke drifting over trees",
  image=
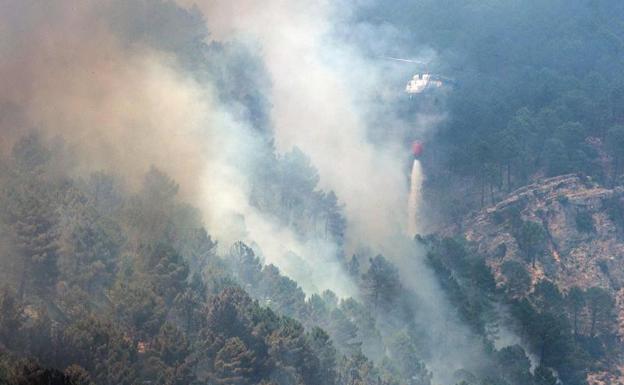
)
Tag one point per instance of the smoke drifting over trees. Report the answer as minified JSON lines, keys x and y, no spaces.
{"x":218,"y":192}
{"x":132,"y":84}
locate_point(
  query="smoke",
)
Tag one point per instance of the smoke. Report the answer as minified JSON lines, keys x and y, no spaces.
{"x":332,"y":100}
{"x":320,"y":95}
{"x":230,"y":217}
{"x":122,"y":103}
{"x":63,"y":72}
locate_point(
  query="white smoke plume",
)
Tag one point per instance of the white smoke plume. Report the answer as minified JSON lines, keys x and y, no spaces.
{"x":317,"y":105}
{"x":230,"y":217}
{"x":324,"y":94}
{"x":123,"y":105}
{"x":119,"y":108}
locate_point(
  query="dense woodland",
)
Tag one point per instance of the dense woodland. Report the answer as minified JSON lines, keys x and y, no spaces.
{"x":104,"y":282}
{"x":119,"y":287}
{"x":537,"y":91}
{"x":573,"y":332}
{"x":113,"y":286}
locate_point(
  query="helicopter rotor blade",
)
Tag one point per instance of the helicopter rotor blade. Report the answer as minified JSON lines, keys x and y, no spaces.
{"x":404,"y":60}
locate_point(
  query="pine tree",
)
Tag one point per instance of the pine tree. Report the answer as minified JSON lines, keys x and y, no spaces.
{"x":381,"y":284}
{"x":601,"y":311}
{"x":576,"y":302}
{"x":235,"y":364}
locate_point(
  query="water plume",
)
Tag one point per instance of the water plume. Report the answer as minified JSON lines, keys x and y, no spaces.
{"x":415,"y":195}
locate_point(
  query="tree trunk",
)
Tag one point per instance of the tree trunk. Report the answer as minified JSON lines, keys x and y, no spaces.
{"x":482,"y":192}
{"x":616,"y":170}
{"x":592,"y":330}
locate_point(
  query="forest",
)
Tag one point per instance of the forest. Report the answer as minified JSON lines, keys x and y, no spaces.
{"x":179,"y":206}
{"x":539,"y":92}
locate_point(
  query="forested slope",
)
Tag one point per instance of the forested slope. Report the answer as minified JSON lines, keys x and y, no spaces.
{"x":525,"y":170}
{"x":118,"y":287}
{"x":113,"y":285}
{"x":538,"y":91}
{"x":108,"y":275}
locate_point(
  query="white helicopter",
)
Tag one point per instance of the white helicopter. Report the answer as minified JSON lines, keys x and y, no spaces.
{"x":423,"y":80}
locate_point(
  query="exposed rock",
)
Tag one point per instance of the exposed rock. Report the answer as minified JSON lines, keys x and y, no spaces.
{"x":606,"y":378}
{"x":584,"y":243}
{"x":583,"y":227}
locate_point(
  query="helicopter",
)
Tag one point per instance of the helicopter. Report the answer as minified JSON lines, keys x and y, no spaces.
{"x":422,"y":81}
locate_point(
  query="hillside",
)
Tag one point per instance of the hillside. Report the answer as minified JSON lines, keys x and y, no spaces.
{"x":566,"y":230}
{"x":583,"y":236}
{"x":218,"y":192}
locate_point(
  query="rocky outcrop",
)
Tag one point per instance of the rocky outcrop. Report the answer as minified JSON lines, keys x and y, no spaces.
{"x":581,"y":243}
{"x":606,"y":378}
{"x":583,"y":231}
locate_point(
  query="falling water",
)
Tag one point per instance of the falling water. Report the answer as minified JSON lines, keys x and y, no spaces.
{"x":414,"y":198}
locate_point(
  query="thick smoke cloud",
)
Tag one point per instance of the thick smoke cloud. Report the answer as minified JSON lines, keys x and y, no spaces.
{"x":99,"y":76}
{"x":327,"y":95}
{"x":119,"y":107}
{"x":123,"y":99}
{"x":320,"y":95}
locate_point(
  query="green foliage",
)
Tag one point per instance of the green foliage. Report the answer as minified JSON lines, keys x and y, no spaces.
{"x":584,"y":222}
{"x":287,"y":188}
{"x":568,"y":333}
{"x":531,"y":238}
{"x":89,"y":244}
{"x":405,"y":357}
{"x":30,"y":216}
{"x":138,"y":306}
{"x":30,"y":155}
{"x":575,"y":301}
{"x":171,"y":345}
{"x":532,"y":81}
{"x":29,"y":372}
{"x":126,"y":288}
{"x":467,"y":281}
{"x":601,"y":307}
{"x":515,"y":365}
{"x":358,"y":370}
{"x":556,"y":334}
{"x":381,"y":284}
{"x":122,"y":287}
{"x":100,"y":348}
{"x":545,"y":376}
{"x":615,"y":210}
{"x":563,"y":199}
{"x":321,"y":346}
{"x":234,"y":363}
{"x":518,"y":279}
